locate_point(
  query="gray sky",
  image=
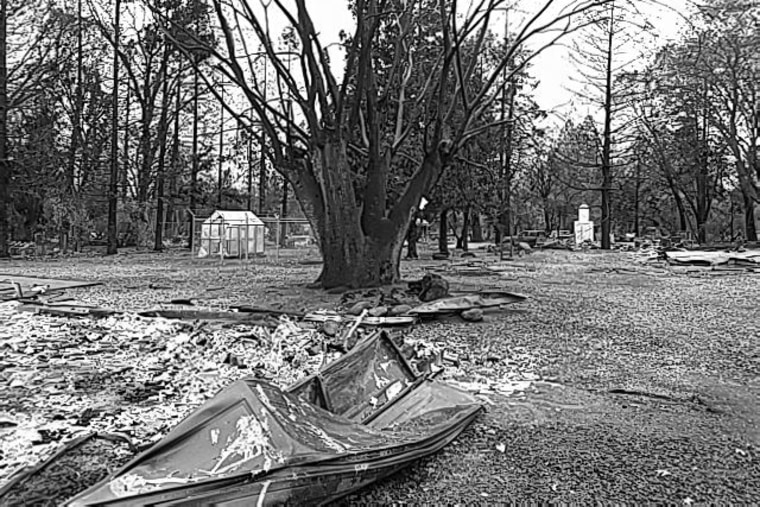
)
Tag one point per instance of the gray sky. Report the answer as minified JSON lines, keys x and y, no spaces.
{"x":553,"y":68}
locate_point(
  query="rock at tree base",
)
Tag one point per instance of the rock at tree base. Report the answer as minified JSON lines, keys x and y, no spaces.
{"x":380,"y":311}
{"x":440,"y":256}
{"x":473,"y":315}
{"x":399,"y":310}
{"x":430,"y":288}
{"x":330,"y":327}
{"x":359,"y":307}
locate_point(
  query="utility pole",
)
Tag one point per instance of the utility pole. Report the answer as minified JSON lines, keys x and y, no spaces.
{"x":113,"y":186}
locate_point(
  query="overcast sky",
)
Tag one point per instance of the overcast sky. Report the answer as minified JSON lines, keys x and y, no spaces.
{"x":553,"y":68}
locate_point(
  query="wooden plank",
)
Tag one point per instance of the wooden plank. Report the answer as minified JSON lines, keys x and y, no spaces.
{"x":27,"y":282}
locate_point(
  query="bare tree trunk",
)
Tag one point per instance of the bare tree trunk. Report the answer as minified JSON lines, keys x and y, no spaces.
{"x":443,"y":232}
{"x":76,"y":127}
{"x":749,"y":219}
{"x":361,"y":245}
{"x":505,"y":155}
{"x":249,"y":205}
{"x":637,"y":199}
{"x":5,"y":169}
{"x":477,"y":230}
{"x":458,"y":245}
{"x":194,"y":170}
{"x":262,"y":173}
{"x":220,"y":175}
{"x":466,"y":229}
{"x":124,"y":172}
{"x":284,"y":210}
{"x":703,"y":196}
{"x":113,"y":189}
{"x":354,"y":255}
{"x":175,"y":169}
{"x":163,"y":130}
{"x":607,"y":142}
{"x":146,"y":148}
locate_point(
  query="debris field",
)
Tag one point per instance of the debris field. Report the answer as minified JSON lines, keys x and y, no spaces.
{"x":615,"y":380}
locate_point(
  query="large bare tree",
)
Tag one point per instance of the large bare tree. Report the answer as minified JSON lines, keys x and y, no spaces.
{"x":340,"y":149}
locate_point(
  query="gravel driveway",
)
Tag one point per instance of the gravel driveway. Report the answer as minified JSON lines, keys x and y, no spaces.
{"x":648,"y":382}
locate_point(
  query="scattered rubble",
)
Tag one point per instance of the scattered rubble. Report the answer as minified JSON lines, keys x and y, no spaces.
{"x":709,"y":262}
{"x":430,"y":288}
{"x":472,"y":315}
{"x":18,"y":287}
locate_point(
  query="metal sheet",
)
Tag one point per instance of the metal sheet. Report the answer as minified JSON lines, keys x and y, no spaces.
{"x":254,"y":444}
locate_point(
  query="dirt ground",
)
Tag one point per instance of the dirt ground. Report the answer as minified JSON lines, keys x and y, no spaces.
{"x":648,"y":383}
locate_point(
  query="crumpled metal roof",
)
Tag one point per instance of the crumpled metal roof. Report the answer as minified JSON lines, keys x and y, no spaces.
{"x":333,"y":433}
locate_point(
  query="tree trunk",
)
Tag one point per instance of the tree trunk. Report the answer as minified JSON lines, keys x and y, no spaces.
{"x":458,"y":236}
{"x":637,"y":199}
{"x":466,"y":229}
{"x":76,"y":124}
{"x":249,"y":203}
{"x":749,"y":219}
{"x":443,"y":232}
{"x":163,"y":130}
{"x":683,"y":222}
{"x":353,"y":257}
{"x":175,"y":169}
{"x":477,"y":230}
{"x":124,"y":168}
{"x":703,"y":196}
{"x":5,"y":169}
{"x":146,"y":147}
{"x":359,"y":249}
{"x":507,"y":219}
{"x":194,"y":169}
{"x":284,"y":215}
{"x":113,"y":187}
{"x":262,"y":174}
{"x":220,"y":176}
{"x":548,"y":224}
{"x":607,"y":142}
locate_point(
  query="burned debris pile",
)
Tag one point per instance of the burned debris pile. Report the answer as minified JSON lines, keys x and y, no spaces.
{"x":328,"y":378}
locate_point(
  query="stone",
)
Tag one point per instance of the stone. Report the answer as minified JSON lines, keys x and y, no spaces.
{"x":433,"y":287}
{"x":440,"y":256}
{"x":472,"y":315}
{"x":330,"y":327}
{"x":380,"y":311}
{"x":524,"y":247}
{"x":234,"y":360}
{"x":359,"y":307}
{"x":399,"y":310}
